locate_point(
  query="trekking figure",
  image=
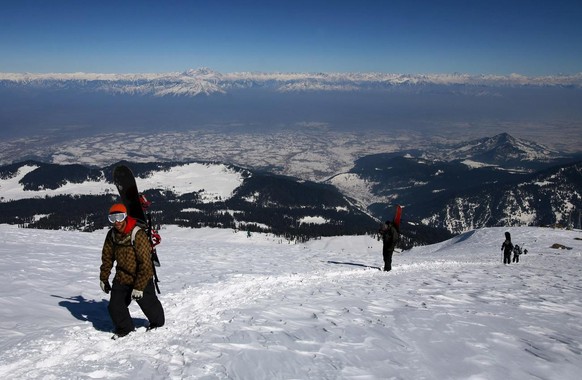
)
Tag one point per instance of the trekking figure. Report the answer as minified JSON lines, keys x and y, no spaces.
{"x":390,"y":236}
{"x":507,"y":248}
{"x":128,"y":246}
{"x":516,"y":253}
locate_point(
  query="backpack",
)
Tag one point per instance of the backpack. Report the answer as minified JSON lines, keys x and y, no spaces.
{"x":154,"y":239}
{"x":387,"y":235}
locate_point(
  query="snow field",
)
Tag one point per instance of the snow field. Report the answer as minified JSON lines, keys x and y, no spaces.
{"x":260,"y":307}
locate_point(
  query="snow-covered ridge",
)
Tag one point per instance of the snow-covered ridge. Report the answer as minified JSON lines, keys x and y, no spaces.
{"x":206,"y":81}
{"x":500,"y":148}
{"x":211,"y":181}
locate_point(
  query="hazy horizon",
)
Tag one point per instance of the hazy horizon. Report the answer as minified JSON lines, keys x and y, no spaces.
{"x":549,"y":115}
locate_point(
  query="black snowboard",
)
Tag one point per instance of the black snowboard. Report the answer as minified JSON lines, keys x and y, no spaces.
{"x":127,"y":188}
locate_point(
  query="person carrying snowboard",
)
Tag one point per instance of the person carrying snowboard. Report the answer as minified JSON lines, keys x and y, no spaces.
{"x":507,"y":248}
{"x":133,"y":278}
{"x":390,"y":237}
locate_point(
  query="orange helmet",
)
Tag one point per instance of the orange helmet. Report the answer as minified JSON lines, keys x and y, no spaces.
{"x":118,"y":207}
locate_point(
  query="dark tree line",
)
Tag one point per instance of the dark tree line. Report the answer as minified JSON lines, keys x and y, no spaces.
{"x":262,"y":203}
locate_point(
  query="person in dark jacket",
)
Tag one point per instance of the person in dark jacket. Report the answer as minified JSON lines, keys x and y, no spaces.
{"x":133,"y":279}
{"x":516,"y":253}
{"x":507,"y":248}
{"x":390,"y":237}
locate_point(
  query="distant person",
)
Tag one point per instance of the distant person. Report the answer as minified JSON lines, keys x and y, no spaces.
{"x":133,"y":273}
{"x":516,"y":253}
{"x":507,"y":248}
{"x":390,"y":236}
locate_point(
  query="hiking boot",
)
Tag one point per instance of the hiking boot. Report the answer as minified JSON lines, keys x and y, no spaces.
{"x":119,"y":335}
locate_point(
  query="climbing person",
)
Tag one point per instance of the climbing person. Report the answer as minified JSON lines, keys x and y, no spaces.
{"x":507,"y":248}
{"x":128,"y":246}
{"x":390,"y":236}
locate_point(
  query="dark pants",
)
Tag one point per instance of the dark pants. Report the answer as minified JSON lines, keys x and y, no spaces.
{"x":387,"y":254}
{"x":119,"y":311}
{"x":507,"y":258}
{"x":516,"y":258}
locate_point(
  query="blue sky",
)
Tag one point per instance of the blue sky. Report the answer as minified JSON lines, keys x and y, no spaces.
{"x":417,"y":37}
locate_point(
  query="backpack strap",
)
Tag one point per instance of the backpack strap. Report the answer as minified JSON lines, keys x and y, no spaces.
{"x":133,"y":233}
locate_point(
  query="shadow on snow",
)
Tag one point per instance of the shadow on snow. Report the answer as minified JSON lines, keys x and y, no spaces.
{"x":354,"y":264}
{"x":92,"y":311}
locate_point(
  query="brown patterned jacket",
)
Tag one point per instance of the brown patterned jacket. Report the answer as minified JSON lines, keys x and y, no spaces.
{"x":134,"y":266}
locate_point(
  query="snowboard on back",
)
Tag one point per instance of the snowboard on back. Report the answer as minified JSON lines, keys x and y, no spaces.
{"x":127,"y":188}
{"x":124,"y":180}
{"x":397,"y":216}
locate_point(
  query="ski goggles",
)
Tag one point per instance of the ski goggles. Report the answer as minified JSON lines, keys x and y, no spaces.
{"x":117,"y":217}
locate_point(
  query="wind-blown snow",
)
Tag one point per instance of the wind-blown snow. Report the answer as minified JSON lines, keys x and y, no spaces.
{"x":260,"y":307}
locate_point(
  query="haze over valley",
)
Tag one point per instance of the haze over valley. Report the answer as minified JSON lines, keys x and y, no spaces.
{"x":312,"y":126}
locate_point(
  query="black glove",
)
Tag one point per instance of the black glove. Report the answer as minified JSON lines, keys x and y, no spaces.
{"x":105,"y":286}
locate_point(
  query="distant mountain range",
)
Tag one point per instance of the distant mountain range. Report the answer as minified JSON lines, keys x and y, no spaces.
{"x":497,"y":181}
{"x":205,"y":81}
{"x":454,"y":107}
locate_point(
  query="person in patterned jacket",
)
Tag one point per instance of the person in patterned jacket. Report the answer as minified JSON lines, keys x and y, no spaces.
{"x":133,"y":273}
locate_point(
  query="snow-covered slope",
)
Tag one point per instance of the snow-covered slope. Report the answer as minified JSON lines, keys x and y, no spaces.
{"x":210,"y":180}
{"x":549,"y":197}
{"x":257,"y":307}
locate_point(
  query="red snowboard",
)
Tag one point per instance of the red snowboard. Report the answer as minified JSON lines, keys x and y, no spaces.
{"x":397,"y":216}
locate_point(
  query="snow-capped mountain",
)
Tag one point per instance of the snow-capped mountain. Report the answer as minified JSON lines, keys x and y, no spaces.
{"x":488,"y":182}
{"x":205,"y":81}
{"x":502,"y":150}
